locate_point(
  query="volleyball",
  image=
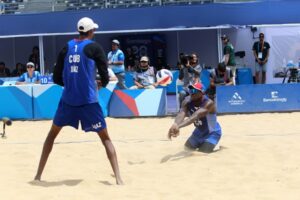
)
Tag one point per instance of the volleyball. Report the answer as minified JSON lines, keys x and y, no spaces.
{"x":164,"y":77}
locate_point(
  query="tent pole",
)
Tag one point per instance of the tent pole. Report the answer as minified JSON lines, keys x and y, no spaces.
{"x":41,"y":47}
{"x":219,"y":42}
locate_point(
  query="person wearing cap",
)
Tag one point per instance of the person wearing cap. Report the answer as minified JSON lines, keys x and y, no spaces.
{"x":75,"y":69}
{"x":29,"y":77}
{"x":144,"y":77}
{"x":229,"y":57}
{"x":198,"y":109}
{"x":261,"y":51}
{"x":221,"y":75}
{"x":116,"y":63}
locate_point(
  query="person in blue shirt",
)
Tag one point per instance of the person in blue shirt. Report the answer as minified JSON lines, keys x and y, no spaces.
{"x":29,"y":77}
{"x":116,"y":63}
{"x":75,"y":69}
{"x":201,"y":111}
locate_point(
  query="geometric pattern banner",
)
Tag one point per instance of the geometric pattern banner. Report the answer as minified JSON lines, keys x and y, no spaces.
{"x":45,"y":100}
{"x":140,"y":102}
{"x":104,"y":95}
{"x":16,"y":102}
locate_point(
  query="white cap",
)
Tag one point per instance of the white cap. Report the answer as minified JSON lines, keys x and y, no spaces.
{"x":144,"y":58}
{"x":30,"y":64}
{"x":85,"y":24}
{"x":116,"y":42}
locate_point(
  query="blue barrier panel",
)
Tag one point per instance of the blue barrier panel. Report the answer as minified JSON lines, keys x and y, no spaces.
{"x":205,"y":78}
{"x":45,"y":100}
{"x":16,"y":102}
{"x":258,"y":98}
{"x":104,"y":95}
{"x":129,"y":79}
{"x":171,"y":88}
{"x":133,"y":103}
{"x":244,"y":76}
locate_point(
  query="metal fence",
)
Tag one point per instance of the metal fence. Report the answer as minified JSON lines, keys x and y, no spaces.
{"x":38,"y":6}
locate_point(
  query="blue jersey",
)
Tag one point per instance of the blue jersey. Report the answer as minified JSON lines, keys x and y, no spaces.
{"x":26,"y":78}
{"x":115,"y":56}
{"x":206,"y":124}
{"x":79,"y":74}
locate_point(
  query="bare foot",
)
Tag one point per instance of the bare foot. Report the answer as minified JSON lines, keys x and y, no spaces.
{"x":37,"y":178}
{"x":119,"y":181}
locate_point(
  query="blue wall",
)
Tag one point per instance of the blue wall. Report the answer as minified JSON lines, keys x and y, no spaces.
{"x":269,"y":12}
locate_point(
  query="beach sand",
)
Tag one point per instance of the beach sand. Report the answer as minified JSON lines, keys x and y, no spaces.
{"x":258,"y":159}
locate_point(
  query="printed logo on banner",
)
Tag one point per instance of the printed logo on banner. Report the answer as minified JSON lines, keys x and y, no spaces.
{"x":236,"y":99}
{"x":274,"y":98}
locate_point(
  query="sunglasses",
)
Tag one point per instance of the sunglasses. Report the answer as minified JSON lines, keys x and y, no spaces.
{"x":30,"y":67}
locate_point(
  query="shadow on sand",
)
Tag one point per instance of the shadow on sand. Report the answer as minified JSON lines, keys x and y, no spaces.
{"x":70,"y":183}
{"x":187,"y":153}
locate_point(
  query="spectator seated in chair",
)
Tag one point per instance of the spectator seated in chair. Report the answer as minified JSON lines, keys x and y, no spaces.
{"x":144,"y":77}
{"x":29,"y":77}
{"x":222,"y":75}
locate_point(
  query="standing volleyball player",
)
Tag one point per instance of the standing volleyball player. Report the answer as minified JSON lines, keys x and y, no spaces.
{"x":76,"y":71}
{"x":201,"y":111}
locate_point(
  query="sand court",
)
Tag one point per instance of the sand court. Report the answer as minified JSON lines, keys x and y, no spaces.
{"x":258,"y":159}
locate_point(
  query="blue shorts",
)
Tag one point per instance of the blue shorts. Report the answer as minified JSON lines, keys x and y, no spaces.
{"x":197,"y":138}
{"x":89,"y":115}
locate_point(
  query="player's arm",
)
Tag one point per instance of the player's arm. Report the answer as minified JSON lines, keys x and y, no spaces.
{"x":174,"y":130}
{"x":95,"y":52}
{"x":59,"y":67}
{"x":201,"y":112}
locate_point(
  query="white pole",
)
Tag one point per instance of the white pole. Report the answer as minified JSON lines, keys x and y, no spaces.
{"x":41,"y":47}
{"x":220,"y":53}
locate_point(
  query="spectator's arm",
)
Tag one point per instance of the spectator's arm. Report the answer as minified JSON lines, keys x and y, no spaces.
{"x":121,"y":59}
{"x":38,"y":78}
{"x":267,"y":56}
{"x":59,"y":67}
{"x":21,"y":80}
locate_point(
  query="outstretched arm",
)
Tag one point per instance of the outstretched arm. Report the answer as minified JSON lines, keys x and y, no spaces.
{"x":201,"y":112}
{"x":174,"y":130}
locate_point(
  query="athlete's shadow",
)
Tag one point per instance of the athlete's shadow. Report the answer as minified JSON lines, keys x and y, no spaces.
{"x":187,"y":153}
{"x":177,"y":156}
{"x":70,"y":183}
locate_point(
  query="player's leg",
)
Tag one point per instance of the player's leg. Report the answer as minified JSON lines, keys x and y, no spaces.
{"x":48,"y":144}
{"x":194,"y":141}
{"x":92,"y":119}
{"x":257,"y":70}
{"x":264,"y":74}
{"x":111,"y":154}
{"x":211,"y":140}
{"x":65,"y":115}
{"x":206,"y":147}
